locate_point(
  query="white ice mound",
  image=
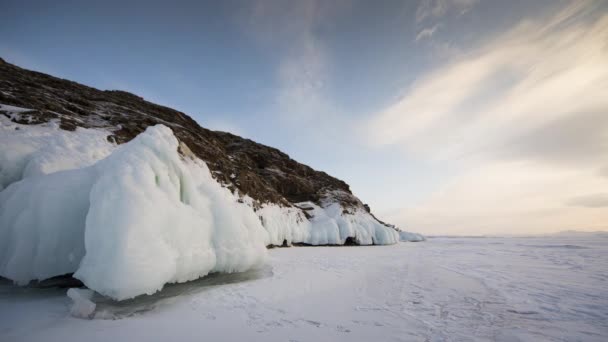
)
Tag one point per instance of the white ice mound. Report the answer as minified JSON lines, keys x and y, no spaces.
{"x":332,"y":225}
{"x":329,"y":224}
{"x":411,"y":237}
{"x":129,"y":224}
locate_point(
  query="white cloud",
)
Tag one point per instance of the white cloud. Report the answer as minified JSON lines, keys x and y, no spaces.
{"x":526,"y":110}
{"x":518,"y":197}
{"x":289,"y":29}
{"x":427,"y":32}
{"x":591,"y":201}
{"x":433,"y":9}
{"x":303,"y":111}
{"x":302,"y":77}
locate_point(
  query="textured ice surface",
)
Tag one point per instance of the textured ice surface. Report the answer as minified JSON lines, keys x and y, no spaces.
{"x":284,"y":224}
{"x":328,"y":225}
{"x":446,"y":289}
{"x":331,"y":226}
{"x":42,"y":225}
{"x":411,"y":237}
{"x":129,"y":224}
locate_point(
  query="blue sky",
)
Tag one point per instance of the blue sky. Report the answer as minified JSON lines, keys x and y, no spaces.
{"x":422,"y":106}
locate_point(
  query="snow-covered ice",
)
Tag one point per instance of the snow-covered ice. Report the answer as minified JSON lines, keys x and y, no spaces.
{"x":445,"y":289}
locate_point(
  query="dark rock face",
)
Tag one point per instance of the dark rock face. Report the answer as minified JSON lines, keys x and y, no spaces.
{"x":264,"y":173}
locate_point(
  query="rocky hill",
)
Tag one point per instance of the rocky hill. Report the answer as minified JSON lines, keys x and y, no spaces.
{"x":261,"y":172}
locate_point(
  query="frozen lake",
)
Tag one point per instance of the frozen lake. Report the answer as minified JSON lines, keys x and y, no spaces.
{"x":446,"y":289}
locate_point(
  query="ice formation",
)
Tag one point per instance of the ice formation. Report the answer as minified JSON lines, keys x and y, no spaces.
{"x":82,"y":306}
{"x":329,"y":224}
{"x":128,"y":219}
{"x":410,"y":237}
{"x":129,"y":224}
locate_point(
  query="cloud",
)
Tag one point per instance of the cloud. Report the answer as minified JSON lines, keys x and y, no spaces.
{"x":590,"y":201}
{"x":291,"y":29}
{"x":577,"y":140}
{"x":526,"y":107}
{"x":433,"y":9}
{"x":518,"y":197}
{"x":432,"y":15}
{"x":275,"y":22}
{"x":223,"y":126}
{"x":427,"y":32}
{"x":521,"y":81}
{"x":288,"y":28}
{"x":302,"y":77}
{"x":603,"y":172}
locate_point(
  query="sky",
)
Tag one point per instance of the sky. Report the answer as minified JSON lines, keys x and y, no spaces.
{"x":474,"y":117}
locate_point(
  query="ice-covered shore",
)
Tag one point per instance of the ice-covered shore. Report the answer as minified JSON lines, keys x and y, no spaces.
{"x":128,"y":219}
